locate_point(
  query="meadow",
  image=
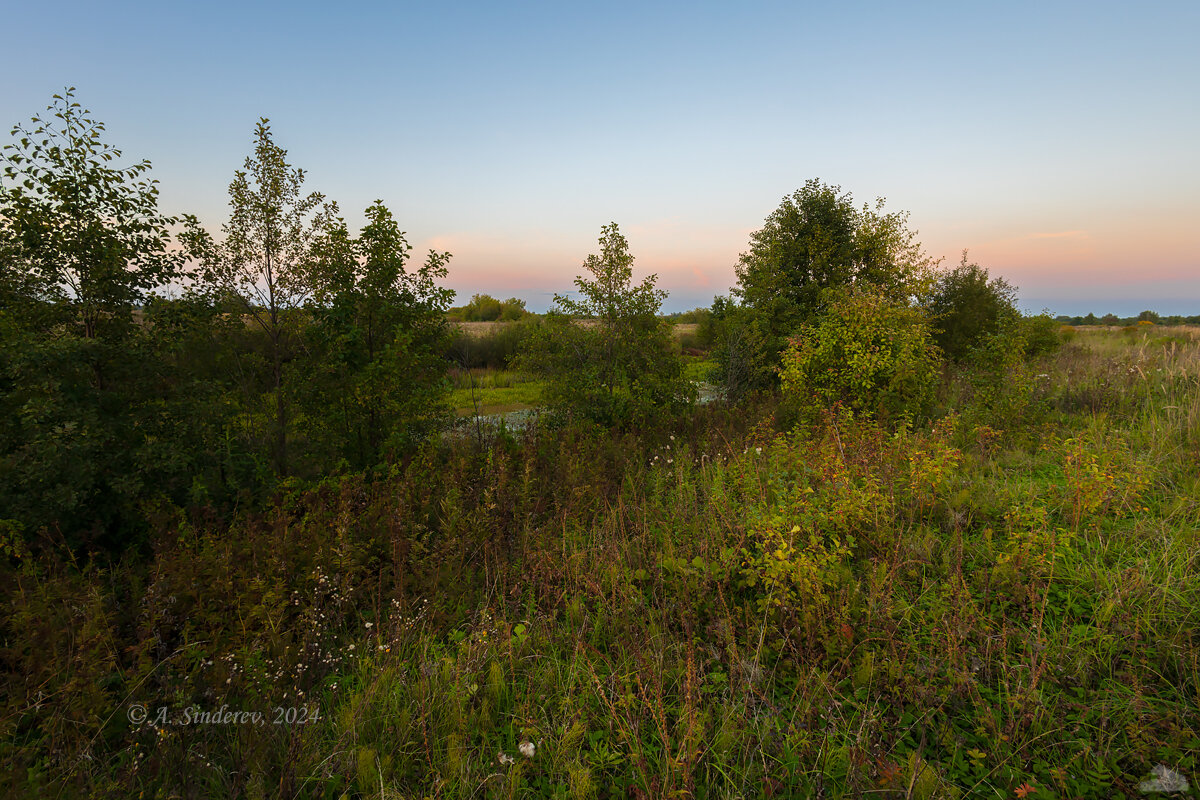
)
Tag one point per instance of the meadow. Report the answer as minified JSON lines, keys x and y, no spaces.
{"x":997,"y":601}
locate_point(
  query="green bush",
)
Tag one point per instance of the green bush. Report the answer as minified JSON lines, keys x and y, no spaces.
{"x":1042,"y":334}
{"x":740,"y":354}
{"x":966,"y":308}
{"x":697,"y":316}
{"x":485,"y":308}
{"x":866,"y":352}
{"x":819,"y":239}
{"x":1001,"y":380}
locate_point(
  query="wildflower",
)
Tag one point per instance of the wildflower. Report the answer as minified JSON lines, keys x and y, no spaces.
{"x":1165,"y":780}
{"x":369,"y":625}
{"x":758,"y":450}
{"x":527,"y":748}
{"x":504,"y":758}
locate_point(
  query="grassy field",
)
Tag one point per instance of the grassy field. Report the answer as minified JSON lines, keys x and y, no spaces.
{"x":487,"y":391}
{"x":1003,"y":602}
{"x":481,"y":329}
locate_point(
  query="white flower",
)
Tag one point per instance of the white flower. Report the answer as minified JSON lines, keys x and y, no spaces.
{"x":369,"y":625}
{"x":758,"y":450}
{"x":1166,"y":781}
{"x":504,"y":758}
{"x":527,"y":749}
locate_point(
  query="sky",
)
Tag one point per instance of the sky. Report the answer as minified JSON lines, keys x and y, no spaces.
{"x":1058,"y":142}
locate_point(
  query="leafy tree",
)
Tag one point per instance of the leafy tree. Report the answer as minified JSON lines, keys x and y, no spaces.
{"x":482,"y":308}
{"x":77,"y":229}
{"x":513,"y":309}
{"x":815,"y":241}
{"x":87,"y":413}
{"x":378,"y":384}
{"x":967,"y":307}
{"x":265,"y":259}
{"x":606,"y":355}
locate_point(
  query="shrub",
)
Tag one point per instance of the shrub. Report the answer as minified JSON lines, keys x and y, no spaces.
{"x":818,"y":239}
{"x":739,"y":349}
{"x":1042,"y":334}
{"x":485,"y":308}
{"x":966,"y":307}
{"x":866,"y":352}
{"x":1001,"y":380}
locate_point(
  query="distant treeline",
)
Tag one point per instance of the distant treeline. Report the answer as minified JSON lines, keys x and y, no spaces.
{"x":485,"y":308}
{"x":1145,"y":316}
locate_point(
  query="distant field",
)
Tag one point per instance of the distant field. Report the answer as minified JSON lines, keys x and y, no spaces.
{"x":481,"y":329}
{"x":683,"y":328}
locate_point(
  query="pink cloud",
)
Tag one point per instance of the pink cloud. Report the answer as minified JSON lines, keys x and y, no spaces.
{"x":1060,"y":235}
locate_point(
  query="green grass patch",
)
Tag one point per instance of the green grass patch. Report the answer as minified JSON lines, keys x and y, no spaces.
{"x":488,"y":392}
{"x":697,"y":368}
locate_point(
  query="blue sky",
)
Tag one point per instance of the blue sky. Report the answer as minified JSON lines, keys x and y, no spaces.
{"x":1056,"y":141}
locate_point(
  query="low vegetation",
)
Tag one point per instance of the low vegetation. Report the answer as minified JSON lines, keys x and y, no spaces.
{"x":841,"y":608}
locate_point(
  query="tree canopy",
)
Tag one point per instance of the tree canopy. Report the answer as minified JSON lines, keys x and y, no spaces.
{"x":375,"y":373}
{"x":818,"y":240}
{"x":77,"y":227}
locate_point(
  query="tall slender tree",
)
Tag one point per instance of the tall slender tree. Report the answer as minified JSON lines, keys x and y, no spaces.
{"x":265,"y":260}
{"x":620,"y":365}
